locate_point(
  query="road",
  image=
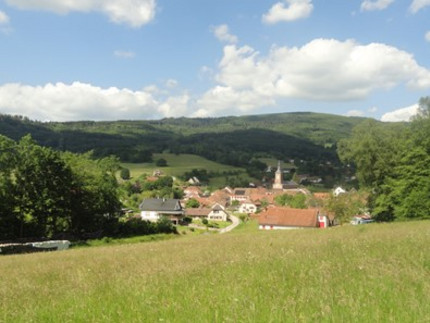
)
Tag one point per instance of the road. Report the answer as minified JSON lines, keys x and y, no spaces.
{"x":235,"y":222}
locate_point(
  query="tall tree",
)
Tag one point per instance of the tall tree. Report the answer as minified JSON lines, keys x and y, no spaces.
{"x":42,"y":189}
{"x":405,"y":194}
{"x":393,"y":161}
{"x":374,"y":148}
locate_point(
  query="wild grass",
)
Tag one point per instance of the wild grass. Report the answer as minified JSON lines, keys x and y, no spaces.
{"x":373,"y":273}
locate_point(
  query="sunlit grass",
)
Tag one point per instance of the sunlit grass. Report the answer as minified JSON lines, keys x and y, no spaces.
{"x":178,"y":165}
{"x":373,"y":273}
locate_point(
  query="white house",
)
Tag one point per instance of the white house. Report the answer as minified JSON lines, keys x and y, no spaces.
{"x":153,"y":209}
{"x":218,"y":213}
{"x":247,"y":207}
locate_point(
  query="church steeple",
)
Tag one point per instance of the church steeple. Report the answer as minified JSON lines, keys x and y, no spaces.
{"x":278,"y":183}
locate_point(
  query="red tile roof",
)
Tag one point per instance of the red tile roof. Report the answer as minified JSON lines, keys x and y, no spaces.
{"x":198,"y":212}
{"x":288,"y":217}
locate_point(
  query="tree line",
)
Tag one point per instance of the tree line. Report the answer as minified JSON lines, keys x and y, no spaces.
{"x":393,"y":165}
{"x":46,"y":193}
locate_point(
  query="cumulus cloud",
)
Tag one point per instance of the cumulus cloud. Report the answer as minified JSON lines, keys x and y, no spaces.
{"x":135,"y":13}
{"x":124,"y":54}
{"x":289,"y":10}
{"x":417,"y":5}
{"x":369,"y":5}
{"x":77,"y":101}
{"x":4,"y":18}
{"x":323,"y":69}
{"x":402,"y":114}
{"x":176,"y":106}
{"x":223,"y":34}
{"x":427,"y":36}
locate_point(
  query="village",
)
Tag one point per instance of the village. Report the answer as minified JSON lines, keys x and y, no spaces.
{"x":259,"y":203}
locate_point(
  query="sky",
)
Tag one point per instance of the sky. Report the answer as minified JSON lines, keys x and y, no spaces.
{"x":150,"y":59}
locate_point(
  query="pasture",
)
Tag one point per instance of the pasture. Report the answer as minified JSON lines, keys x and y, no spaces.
{"x":178,"y":165}
{"x":371,"y":273}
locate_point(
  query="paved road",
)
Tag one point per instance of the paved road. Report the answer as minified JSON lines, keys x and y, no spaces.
{"x":235,"y":223}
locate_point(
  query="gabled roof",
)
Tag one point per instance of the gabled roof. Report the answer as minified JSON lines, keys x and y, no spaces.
{"x":288,"y":217}
{"x":161,"y":205}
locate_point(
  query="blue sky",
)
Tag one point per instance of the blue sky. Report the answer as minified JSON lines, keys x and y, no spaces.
{"x":150,"y":59}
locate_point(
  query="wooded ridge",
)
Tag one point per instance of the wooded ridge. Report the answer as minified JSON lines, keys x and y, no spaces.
{"x":301,"y":135}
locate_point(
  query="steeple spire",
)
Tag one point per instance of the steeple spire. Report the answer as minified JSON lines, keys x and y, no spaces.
{"x":278,"y":184}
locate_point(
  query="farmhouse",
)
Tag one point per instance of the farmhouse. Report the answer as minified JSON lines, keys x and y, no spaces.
{"x":154,"y":208}
{"x":288,"y":218}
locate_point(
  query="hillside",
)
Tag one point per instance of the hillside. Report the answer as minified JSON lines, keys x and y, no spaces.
{"x":308,"y":136}
{"x":372,"y":273}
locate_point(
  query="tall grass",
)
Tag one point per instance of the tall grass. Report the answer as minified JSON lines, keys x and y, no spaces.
{"x":373,"y":273}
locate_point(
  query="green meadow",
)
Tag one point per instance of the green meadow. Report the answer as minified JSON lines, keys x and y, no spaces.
{"x":371,"y":273}
{"x":178,"y":165}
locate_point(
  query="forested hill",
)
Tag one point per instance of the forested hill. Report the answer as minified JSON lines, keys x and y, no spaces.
{"x":230,"y":140}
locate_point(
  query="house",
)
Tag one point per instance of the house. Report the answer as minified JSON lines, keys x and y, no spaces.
{"x":240,"y":194}
{"x":198,"y":213}
{"x":248,"y":207}
{"x":153,"y":209}
{"x":288,"y":218}
{"x":215,"y":213}
{"x":218,"y":213}
{"x":192,"y":192}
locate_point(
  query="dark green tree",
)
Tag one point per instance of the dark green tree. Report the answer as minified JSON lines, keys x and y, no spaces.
{"x":124,"y":173}
{"x":192,"y":203}
{"x":42,"y":190}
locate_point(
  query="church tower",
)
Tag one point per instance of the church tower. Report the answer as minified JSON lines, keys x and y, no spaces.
{"x":279,"y":181}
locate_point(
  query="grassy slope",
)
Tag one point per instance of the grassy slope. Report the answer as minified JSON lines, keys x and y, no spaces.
{"x":352,"y":274}
{"x":178,"y":165}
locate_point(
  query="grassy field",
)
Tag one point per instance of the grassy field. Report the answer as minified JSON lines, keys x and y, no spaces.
{"x":178,"y":165}
{"x":372,"y":273}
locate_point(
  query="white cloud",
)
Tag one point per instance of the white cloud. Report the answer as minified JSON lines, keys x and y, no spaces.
{"x":354,"y":113}
{"x":417,"y":5}
{"x":289,"y":11}
{"x":427,"y":36}
{"x":4,"y":18}
{"x":77,"y":101}
{"x":175,"y":106}
{"x":402,"y":114}
{"x":223,"y":34}
{"x":369,"y":5}
{"x":373,"y":109}
{"x":323,"y":69}
{"x":224,"y":100}
{"x":124,"y":54}
{"x":135,"y":13}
